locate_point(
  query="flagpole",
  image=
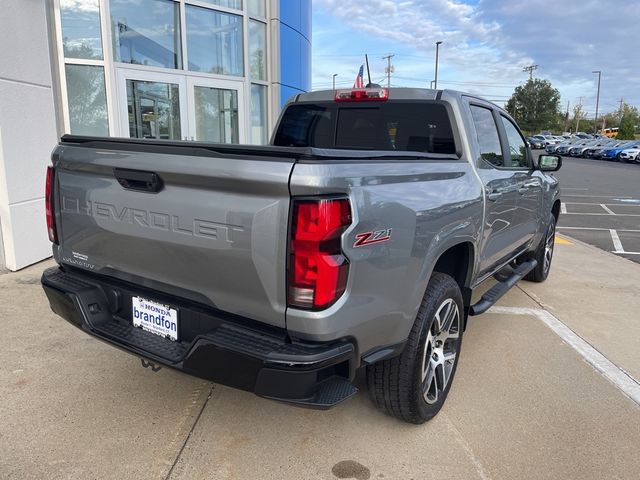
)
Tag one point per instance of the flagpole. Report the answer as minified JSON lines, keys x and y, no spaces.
{"x":366,"y":57}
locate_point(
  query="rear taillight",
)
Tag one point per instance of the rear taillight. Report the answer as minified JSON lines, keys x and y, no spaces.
{"x":362,"y":95}
{"x":317,"y":268}
{"x":48,"y":201}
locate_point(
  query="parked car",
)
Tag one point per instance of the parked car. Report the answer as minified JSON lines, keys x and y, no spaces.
{"x":560,"y":148}
{"x":630,"y":154}
{"x":564,"y":147}
{"x":614,"y":153}
{"x":551,"y":140}
{"x":597,"y":153}
{"x":536,"y":143}
{"x":577,"y":146}
{"x":592,"y":151}
{"x":581,"y":151}
{"x":542,"y":139}
{"x":283,"y":269}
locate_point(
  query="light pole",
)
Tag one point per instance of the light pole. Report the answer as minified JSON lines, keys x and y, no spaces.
{"x":435,"y":81}
{"x":595,"y":123}
{"x":334,"y":80}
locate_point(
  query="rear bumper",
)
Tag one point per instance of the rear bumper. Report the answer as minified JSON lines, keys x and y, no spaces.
{"x":226,"y":350}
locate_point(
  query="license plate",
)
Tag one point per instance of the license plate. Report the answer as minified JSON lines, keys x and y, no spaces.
{"x":155,"y":317}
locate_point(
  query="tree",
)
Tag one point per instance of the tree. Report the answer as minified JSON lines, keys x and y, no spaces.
{"x":630,"y":118}
{"x":536,"y":106}
{"x":627,"y":129}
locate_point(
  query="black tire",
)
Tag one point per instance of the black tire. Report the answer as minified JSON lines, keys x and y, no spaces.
{"x":541,"y":272}
{"x":396,"y":385}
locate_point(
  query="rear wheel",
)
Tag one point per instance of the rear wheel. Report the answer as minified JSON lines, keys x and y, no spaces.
{"x":544,"y":254}
{"x":414,"y":385}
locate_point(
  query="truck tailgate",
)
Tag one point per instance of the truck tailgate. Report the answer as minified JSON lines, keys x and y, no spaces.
{"x":215,"y":231}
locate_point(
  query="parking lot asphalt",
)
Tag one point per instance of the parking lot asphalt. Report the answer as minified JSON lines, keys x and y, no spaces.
{"x":601,"y":204}
{"x":546,"y":388}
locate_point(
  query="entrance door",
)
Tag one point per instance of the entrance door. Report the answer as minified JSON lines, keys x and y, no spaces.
{"x":153,"y":105}
{"x":171,"y":106}
{"x":215,"y":110}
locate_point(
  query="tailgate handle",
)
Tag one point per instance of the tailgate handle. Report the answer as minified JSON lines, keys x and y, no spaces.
{"x":138,"y":180}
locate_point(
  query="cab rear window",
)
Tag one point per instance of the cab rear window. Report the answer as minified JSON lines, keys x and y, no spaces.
{"x":389,"y":126}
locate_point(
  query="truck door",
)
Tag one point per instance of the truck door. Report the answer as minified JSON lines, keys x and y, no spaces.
{"x":500,"y":190}
{"x":528,"y":214}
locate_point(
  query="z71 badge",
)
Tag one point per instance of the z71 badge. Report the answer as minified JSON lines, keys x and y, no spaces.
{"x":368,"y":238}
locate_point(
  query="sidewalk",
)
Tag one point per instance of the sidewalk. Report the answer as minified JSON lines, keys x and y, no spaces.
{"x":524,"y":403}
{"x":597,"y":295}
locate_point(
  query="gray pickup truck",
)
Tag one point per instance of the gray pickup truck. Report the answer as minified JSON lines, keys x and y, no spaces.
{"x":364,"y":236}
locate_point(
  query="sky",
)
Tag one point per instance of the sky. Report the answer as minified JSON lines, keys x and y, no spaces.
{"x":486,"y":44}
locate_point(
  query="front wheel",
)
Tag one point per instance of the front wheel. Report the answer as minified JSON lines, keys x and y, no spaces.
{"x":544,"y":254}
{"x":414,"y":385}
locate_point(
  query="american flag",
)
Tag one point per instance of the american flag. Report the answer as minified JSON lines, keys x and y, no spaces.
{"x":359,"y":83}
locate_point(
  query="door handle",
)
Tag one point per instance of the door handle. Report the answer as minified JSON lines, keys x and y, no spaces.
{"x":528,"y":185}
{"x":138,"y":180}
{"x":494,"y":196}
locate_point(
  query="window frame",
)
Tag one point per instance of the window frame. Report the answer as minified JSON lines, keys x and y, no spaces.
{"x":502,"y":136}
{"x":111,"y":67}
{"x":475,"y":128}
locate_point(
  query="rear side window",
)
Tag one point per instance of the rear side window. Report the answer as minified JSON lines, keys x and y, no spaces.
{"x":487,"y":134}
{"x":390,"y":126}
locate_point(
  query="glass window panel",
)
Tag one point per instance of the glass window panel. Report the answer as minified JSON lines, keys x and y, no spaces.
{"x":81,"y":36}
{"x":216,"y":115}
{"x":517,"y":145}
{"x":154,"y":110}
{"x":257,"y":8}
{"x":237,"y":4}
{"x":487,"y":135}
{"x":146,"y":32}
{"x":214,"y":41}
{"x":258,"y":114}
{"x":257,"y":49}
{"x":87,"y":100}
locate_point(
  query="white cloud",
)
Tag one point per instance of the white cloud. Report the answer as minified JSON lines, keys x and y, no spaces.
{"x":489,"y":42}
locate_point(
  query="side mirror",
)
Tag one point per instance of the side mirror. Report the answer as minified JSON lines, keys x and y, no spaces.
{"x":549,"y":163}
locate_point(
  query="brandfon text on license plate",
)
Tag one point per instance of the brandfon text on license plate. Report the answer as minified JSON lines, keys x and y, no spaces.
{"x":155,"y":317}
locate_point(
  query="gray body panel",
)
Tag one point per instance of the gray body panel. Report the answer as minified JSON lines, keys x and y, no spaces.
{"x":214,"y":234}
{"x":218,"y":231}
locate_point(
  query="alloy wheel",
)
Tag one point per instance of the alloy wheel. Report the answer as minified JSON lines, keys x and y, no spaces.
{"x":549,"y":245}
{"x":440,"y":351}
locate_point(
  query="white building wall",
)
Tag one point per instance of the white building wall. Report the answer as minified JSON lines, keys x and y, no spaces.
{"x":27,"y":130}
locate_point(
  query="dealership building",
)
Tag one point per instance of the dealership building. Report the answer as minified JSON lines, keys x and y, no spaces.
{"x":206,"y":70}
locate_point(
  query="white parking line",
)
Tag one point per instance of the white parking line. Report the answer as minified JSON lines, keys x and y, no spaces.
{"x":617,"y":244}
{"x":595,"y":228}
{"x":607,"y":209}
{"x":606,"y":214}
{"x":624,"y":199}
{"x":563,"y":208}
{"x":616,"y":375}
{"x":608,"y":204}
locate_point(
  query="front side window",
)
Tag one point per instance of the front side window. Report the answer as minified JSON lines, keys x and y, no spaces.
{"x":517,"y":145}
{"x":146,"y":32}
{"x":487,"y":135}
